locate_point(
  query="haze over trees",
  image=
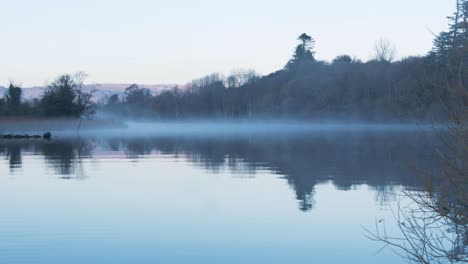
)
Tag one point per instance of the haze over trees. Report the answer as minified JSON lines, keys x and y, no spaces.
{"x":345,"y":88}
{"x":306,"y":87}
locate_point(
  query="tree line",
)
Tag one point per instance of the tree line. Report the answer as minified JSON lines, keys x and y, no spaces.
{"x":306,"y":87}
{"x":346,"y":87}
{"x":66,"y":96}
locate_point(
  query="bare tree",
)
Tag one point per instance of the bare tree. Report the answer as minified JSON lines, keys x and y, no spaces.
{"x":84,"y":95}
{"x":432,"y":223}
{"x":427,"y":231}
{"x":240,"y":77}
{"x":385,"y":51}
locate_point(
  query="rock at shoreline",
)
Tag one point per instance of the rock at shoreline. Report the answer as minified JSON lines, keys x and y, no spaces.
{"x":46,"y":136}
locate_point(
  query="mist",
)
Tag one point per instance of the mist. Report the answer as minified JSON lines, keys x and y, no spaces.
{"x":203,"y":127}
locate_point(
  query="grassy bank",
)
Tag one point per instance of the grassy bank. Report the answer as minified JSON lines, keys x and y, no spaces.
{"x":38,"y":124}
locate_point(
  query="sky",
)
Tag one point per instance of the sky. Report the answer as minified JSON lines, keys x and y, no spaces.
{"x":156,"y":42}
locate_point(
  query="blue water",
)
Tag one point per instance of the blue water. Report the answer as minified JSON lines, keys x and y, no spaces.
{"x":302,"y":198}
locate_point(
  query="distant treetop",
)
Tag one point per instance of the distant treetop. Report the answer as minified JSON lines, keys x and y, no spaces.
{"x":304,"y":52}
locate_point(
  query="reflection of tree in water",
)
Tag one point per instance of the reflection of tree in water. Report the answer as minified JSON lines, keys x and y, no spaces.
{"x":113,"y":144}
{"x":134,"y":148}
{"x":63,"y":156}
{"x":306,"y":202}
{"x":383,"y":194}
{"x":60,"y":155}
{"x":346,"y":159}
{"x":12,"y":152}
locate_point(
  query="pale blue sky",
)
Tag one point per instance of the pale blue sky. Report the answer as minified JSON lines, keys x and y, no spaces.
{"x":175,"y":41}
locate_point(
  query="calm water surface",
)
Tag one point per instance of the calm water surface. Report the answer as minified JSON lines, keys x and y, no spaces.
{"x":262,"y":198}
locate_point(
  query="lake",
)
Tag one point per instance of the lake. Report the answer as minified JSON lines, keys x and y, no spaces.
{"x":284,"y":196}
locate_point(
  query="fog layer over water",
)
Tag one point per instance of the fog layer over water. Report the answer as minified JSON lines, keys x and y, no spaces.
{"x":284,"y":192}
{"x":260,"y":126}
{"x":212,"y":127}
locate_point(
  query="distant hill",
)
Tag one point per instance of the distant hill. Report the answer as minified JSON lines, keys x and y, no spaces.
{"x":103,"y":89}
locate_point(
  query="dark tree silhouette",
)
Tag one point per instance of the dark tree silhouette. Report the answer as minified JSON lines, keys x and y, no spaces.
{"x":58,"y":99}
{"x":13,"y":99}
{"x":304,"y":52}
{"x":67,"y":96}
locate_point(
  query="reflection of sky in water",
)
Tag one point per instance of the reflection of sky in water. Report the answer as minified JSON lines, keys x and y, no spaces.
{"x":198,"y":201}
